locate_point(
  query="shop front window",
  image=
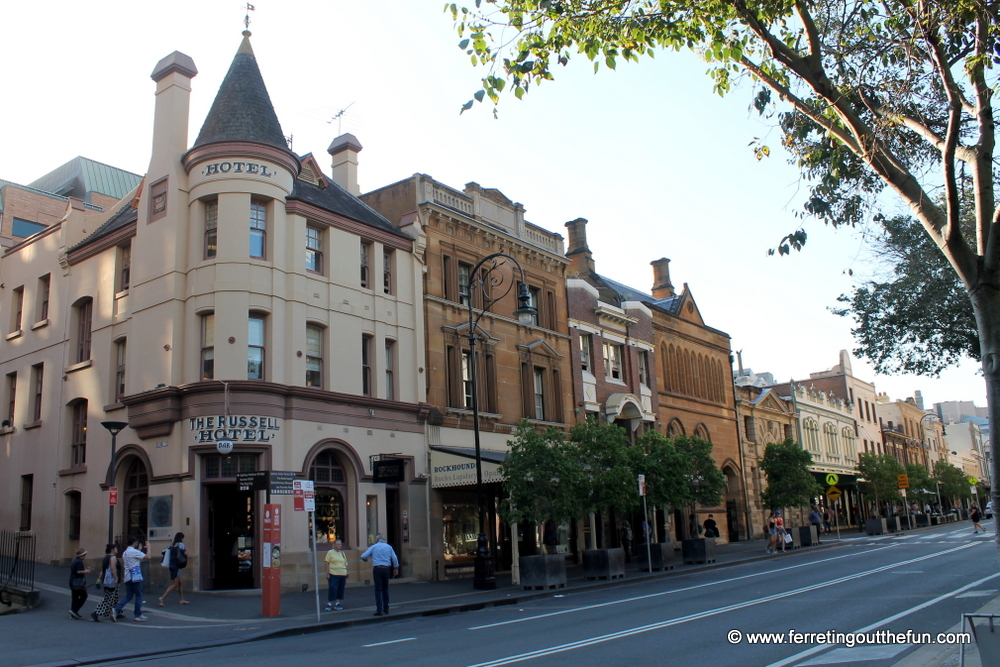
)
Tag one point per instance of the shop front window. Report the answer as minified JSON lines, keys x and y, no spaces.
{"x":461,"y":532}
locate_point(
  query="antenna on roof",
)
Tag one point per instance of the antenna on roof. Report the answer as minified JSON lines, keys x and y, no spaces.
{"x":288,"y":140}
{"x":246,"y":19}
{"x":339,"y":117}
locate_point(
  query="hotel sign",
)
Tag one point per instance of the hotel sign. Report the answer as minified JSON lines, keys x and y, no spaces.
{"x":237,"y":428}
{"x":235,"y":167}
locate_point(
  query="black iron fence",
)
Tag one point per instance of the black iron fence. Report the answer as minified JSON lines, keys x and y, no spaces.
{"x":17,"y":562}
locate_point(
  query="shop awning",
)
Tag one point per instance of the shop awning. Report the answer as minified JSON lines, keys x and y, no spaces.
{"x":456,"y":466}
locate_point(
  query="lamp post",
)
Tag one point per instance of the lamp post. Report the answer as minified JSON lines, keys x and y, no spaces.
{"x":480,"y":277}
{"x":114,"y":428}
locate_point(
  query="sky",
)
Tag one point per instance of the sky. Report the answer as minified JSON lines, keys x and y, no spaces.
{"x":658,"y":164}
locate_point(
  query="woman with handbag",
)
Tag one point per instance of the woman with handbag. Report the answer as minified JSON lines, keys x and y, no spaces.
{"x":111,"y":575}
{"x":78,"y":584}
{"x":782,"y":534}
{"x":133,"y":556}
{"x":177,"y":561}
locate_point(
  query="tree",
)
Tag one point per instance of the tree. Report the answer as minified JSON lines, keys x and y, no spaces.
{"x":954,"y":481}
{"x":789,"y":481}
{"x":704,"y":482}
{"x":921,"y":486}
{"x":898,"y":316}
{"x":874,"y":95}
{"x":605,"y":482}
{"x":540,"y":477}
{"x":655,"y":456}
{"x":881,"y":477}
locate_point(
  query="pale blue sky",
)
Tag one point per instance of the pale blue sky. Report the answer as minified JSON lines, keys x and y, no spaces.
{"x":657,"y":163}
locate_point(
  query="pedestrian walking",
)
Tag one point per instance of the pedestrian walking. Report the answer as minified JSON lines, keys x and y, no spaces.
{"x":816,"y":520}
{"x":111,"y":576}
{"x":177,"y":561}
{"x":384,"y":564}
{"x":828,"y":521}
{"x":975,"y":515}
{"x":78,"y":572}
{"x":133,"y":556}
{"x":772,"y":531}
{"x":626,"y":535}
{"x":781,"y":533}
{"x":336,"y":566}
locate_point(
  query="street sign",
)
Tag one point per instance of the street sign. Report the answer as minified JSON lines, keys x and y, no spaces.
{"x":832,"y":478}
{"x":298,"y":496}
{"x":903,"y":482}
{"x":642,"y":485}
{"x":278,"y":482}
{"x":833,"y":493}
{"x":389,"y":471}
{"x":113,"y":495}
{"x":973,"y":481}
{"x":309,"y":488}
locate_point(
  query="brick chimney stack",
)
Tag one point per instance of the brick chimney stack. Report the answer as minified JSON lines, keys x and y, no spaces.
{"x":662,"y":287}
{"x":581,"y":259}
{"x":344,"y":150}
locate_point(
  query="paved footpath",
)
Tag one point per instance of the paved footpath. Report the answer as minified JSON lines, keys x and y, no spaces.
{"x":47,"y":636}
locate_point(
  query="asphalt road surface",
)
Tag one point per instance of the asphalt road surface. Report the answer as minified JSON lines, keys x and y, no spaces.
{"x":920,"y":583}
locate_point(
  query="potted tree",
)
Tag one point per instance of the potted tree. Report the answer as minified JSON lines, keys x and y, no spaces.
{"x":541,"y":476}
{"x":656,"y":457}
{"x":704,"y":486}
{"x":605,"y":484}
{"x":790,"y":483}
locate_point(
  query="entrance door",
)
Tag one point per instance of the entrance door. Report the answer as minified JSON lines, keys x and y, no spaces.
{"x":231,"y":535}
{"x":732,"y":521}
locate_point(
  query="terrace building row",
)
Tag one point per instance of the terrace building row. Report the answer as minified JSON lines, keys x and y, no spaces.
{"x":244,"y":312}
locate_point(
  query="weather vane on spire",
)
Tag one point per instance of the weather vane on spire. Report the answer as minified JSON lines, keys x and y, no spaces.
{"x":246,"y":19}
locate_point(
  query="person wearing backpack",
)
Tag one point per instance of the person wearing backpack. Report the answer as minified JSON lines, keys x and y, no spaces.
{"x":177,"y":562}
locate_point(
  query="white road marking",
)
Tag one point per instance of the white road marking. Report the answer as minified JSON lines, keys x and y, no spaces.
{"x":794,"y":660}
{"x":394,"y":641}
{"x":733,"y":607}
{"x":671,"y":592}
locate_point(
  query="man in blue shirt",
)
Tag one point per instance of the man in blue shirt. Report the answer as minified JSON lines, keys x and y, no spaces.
{"x":384,"y":561}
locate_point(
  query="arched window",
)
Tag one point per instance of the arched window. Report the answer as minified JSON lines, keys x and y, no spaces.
{"x":850,"y":446}
{"x":136,"y":499}
{"x":675,"y":428}
{"x":331,"y":489}
{"x":701,"y":431}
{"x":830,"y":438}
{"x":810,"y":433}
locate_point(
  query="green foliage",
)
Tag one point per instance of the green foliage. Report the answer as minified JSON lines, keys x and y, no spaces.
{"x":898,"y":317}
{"x":656,"y":457}
{"x":541,"y":477}
{"x":881,"y":476}
{"x":789,"y":482}
{"x":607,"y":482}
{"x":922,"y":487}
{"x":704,"y":481}
{"x":954,"y":481}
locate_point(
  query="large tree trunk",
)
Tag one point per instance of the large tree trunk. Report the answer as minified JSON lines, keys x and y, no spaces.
{"x":986,"y":303}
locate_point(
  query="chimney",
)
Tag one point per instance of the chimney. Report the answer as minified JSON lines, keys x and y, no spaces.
{"x":344,"y":150}
{"x":662,"y":288}
{"x":173,"y":77}
{"x":581,"y":259}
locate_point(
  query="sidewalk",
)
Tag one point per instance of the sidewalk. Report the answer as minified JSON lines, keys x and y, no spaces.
{"x":219,"y":618}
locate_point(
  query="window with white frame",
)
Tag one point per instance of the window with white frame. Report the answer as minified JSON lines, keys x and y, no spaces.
{"x":612,"y":360}
{"x":208,"y":346}
{"x":314,"y":356}
{"x":390,"y":385}
{"x":124,"y":266}
{"x":78,"y":439}
{"x":83,"y":314}
{"x":366,"y":365}
{"x":643,"y":363}
{"x":17,"y":312}
{"x":387,"y":258}
{"x":314,"y":249}
{"x":538,"y":385}
{"x":120,"y":356}
{"x":366,"y":260}
{"x":211,"y":228}
{"x":258,"y":229}
{"x":256,"y":347}
{"x":586,"y":343}
{"x":44,"y":285}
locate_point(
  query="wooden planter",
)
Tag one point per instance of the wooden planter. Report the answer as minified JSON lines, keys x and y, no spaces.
{"x":546,"y":571}
{"x":662,"y":554}
{"x":604,"y":563}
{"x":698,"y":550}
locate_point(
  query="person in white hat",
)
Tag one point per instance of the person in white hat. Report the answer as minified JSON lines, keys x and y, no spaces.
{"x":78,"y":572}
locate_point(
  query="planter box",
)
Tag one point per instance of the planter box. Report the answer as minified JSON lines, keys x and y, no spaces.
{"x":876,"y":526}
{"x":604,"y":563}
{"x":805,"y":536}
{"x":698,"y":550}
{"x":891,"y":524}
{"x":662,"y":554}
{"x":547,"y":571}
{"x":922,"y":520}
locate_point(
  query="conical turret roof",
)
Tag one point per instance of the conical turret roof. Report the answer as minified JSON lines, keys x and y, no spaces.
{"x":242,"y":110}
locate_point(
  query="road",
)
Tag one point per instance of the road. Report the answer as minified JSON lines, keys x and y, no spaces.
{"x":920,"y":582}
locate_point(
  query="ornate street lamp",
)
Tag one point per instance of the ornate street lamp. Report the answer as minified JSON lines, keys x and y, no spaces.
{"x":114,"y":428}
{"x":489,"y":277}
